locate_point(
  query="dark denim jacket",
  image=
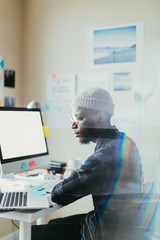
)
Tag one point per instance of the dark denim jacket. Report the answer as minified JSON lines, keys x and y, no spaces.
{"x":113,"y":168}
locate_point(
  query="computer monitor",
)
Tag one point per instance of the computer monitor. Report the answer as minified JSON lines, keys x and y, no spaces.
{"x":22,"y":142}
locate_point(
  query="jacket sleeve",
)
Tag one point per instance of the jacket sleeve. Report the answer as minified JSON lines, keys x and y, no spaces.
{"x":71,"y":188}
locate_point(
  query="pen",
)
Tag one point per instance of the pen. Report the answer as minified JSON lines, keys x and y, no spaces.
{"x":33,"y":175}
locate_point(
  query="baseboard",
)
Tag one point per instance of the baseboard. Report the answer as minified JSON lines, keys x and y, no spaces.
{"x":12,"y":236}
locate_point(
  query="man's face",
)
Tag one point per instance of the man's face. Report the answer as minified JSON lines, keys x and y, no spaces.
{"x":84,"y":127}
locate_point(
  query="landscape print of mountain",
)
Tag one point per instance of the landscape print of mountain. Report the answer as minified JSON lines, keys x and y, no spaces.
{"x":115,"y":45}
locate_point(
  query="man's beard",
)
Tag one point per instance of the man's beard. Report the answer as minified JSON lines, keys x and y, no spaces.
{"x":85,"y":141}
{"x":89,"y":135}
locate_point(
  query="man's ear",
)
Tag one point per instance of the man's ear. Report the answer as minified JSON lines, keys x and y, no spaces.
{"x":101,"y":117}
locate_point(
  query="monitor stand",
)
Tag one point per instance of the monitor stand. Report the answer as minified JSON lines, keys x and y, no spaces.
{"x":10,"y":175}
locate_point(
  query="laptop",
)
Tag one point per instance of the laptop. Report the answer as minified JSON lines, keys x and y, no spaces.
{"x":22,"y":200}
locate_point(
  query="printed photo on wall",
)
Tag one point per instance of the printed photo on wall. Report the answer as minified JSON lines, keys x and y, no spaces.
{"x":9,"y":78}
{"x":116,"y":45}
{"x":122,"y":81}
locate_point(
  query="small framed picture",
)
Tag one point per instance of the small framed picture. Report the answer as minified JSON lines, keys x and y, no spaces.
{"x":120,"y":44}
{"x":122,"y":81}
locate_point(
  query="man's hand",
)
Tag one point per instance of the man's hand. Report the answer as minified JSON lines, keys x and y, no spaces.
{"x":67,"y":173}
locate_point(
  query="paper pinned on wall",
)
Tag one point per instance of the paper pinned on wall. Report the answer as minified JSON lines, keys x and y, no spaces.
{"x":130,"y":121}
{"x":122,"y":81}
{"x":1,"y":65}
{"x":60,"y":87}
{"x":46,"y":131}
{"x":58,"y":116}
{"x":85,"y":81}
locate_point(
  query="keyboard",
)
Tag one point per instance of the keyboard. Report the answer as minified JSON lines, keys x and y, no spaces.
{"x":15,"y":199}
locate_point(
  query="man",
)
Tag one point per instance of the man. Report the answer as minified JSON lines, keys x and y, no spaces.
{"x":114,"y":167}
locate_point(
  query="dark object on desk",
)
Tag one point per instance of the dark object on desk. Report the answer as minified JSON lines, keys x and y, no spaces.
{"x":33,"y":175}
{"x":57,"y":167}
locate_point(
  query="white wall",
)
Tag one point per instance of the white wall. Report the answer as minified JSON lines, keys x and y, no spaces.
{"x":11,"y":43}
{"x":55,"y":41}
{"x":11,"y":50}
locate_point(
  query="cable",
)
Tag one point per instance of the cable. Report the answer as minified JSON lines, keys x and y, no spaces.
{"x":14,"y":224}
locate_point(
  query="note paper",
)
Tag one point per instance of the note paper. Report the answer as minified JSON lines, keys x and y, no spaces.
{"x":24,"y":166}
{"x":46,"y":131}
{"x":32,"y":164}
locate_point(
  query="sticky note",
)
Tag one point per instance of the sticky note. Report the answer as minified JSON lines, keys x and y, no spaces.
{"x":32,"y":164}
{"x":53,"y":76}
{"x":37,"y":193}
{"x":31,"y":189}
{"x":46,"y":131}
{"x":24,"y":166}
{"x":2,"y":64}
{"x":47,"y":107}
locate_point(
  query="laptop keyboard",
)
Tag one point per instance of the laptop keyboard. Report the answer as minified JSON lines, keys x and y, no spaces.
{"x":15,"y":199}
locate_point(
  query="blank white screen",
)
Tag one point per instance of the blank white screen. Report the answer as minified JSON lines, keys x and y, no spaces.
{"x":21,"y":134}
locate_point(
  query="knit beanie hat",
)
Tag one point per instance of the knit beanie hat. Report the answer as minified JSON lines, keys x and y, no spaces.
{"x":96,"y":99}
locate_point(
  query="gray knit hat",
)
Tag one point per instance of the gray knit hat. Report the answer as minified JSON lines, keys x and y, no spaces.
{"x":96,"y":99}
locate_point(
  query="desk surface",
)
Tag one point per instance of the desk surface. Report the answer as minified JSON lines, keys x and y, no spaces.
{"x":24,"y":183}
{"x":26,"y":215}
{"x":29,"y":215}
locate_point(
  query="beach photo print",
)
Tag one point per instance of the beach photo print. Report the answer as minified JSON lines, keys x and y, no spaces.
{"x":121,"y":44}
{"x":122,"y":81}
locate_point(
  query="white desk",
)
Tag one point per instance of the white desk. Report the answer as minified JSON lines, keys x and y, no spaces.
{"x":27,"y":217}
